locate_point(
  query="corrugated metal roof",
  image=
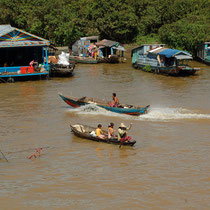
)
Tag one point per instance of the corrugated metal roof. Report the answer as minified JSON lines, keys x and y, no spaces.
{"x":106,"y":43}
{"x":157,"y":50}
{"x":158,"y":45}
{"x":183,"y":57}
{"x":120,"y":48}
{"x":89,"y":38}
{"x":172,"y":52}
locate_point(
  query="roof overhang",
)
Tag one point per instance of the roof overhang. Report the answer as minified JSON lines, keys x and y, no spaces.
{"x":24,"y":44}
{"x":168,"y":53}
{"x":183,"y":57}
{"x":120,"y":48}
{"x":89,"y":38}
{"x":107,"y":43}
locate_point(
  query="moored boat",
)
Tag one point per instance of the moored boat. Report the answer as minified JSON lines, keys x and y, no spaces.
{"x":60,"y":70}
{"x":121,"y":109}
{"x":84,"y":131}
{"x":157,"y":59}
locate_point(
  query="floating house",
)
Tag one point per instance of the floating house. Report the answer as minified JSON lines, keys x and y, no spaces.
{"x":19,"y":49}
{"x":110,"y":51}
{"x":158,"y":59}
{"x":80,"y":47}
{"x":82,"y":50}
{"x":91,"y":50}
{"x":203,"y":52}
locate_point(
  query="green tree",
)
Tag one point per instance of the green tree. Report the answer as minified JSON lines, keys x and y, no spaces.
{"x":187,"y":33}
{"x":115,"y":20}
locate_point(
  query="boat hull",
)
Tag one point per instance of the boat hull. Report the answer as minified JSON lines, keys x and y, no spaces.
{"x":74,"y":102}
{"x":171,"y":70}
{"x":58,"y":70}
{"x":111,"y":59}
{"x":85,"y":134}
{"x":23,"y":77}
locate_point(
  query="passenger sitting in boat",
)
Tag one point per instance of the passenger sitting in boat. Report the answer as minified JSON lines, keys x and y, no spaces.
{"x":115,"y":102}
{"x":99,"y":132}
{"x":111,"y":131}
{"x":123,"y":134}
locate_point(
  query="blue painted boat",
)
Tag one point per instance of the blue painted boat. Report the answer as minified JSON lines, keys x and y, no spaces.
{"x":121,"y":109}
{"x":155,"y":58}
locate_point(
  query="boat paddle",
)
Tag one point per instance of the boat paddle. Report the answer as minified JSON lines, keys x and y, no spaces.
{"x":121,"y":144}
{"x":4,"y":156}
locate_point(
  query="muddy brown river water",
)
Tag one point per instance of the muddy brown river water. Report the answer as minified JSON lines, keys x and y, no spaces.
{"x":168,"y":168}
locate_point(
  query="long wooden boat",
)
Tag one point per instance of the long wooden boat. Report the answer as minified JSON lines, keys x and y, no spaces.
{"x":83,"y":131}
{"x":60,"y":70}
{"x":122,"y":109}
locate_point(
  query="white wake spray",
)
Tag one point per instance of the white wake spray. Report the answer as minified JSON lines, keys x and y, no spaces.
{"x":154,"y":114}
{"x":173,"y":114}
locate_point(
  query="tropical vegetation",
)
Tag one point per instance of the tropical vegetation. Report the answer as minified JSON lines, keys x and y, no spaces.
{"x":179,"y":23}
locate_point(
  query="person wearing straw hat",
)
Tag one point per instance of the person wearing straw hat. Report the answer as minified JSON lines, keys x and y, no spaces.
{"x":123,"y":134}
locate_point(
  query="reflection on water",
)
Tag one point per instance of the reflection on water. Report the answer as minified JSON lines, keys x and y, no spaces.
{"x":168,"y":168}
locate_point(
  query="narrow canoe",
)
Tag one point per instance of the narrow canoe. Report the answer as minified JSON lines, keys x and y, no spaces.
{"x":122,"y":109}
{"x":83,"y":131}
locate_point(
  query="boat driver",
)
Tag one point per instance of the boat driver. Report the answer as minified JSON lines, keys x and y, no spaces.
{"x":115,"y":102}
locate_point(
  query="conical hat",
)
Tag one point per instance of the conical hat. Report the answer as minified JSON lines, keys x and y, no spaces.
{"x":122,"y":125}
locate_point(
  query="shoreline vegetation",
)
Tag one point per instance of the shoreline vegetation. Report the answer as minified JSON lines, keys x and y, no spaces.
{"x":181,"y":24}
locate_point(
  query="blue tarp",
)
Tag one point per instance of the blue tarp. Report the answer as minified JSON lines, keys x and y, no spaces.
{"x":171,"y":52}
{"x":86,"y":46}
